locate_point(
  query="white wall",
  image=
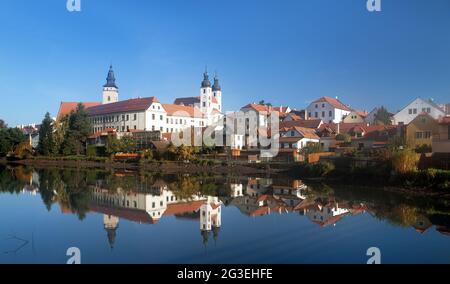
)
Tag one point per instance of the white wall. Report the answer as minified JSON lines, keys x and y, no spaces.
{"x":410,"y":112}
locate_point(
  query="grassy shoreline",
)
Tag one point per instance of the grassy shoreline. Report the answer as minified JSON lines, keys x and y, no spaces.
{"x":168,"y":167}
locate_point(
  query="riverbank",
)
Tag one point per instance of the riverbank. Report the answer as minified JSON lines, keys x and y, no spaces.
{"x":166,"y":167}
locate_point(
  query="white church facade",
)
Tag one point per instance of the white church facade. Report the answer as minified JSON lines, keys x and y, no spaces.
{"x":149,"y":114}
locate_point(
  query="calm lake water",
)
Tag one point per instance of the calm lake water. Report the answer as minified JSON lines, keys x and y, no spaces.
{"x":130,"y":218}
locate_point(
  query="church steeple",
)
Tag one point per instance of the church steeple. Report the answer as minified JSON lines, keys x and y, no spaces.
{"x":206,"y":83}
{"x":216,"y":87}
{"x":111,"y":79}
{"x":110,"y":89}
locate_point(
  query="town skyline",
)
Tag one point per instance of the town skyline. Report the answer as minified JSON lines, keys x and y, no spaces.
{"x":152,"y":56}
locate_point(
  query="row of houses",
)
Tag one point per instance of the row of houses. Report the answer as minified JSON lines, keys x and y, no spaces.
{"x":322,"y":121}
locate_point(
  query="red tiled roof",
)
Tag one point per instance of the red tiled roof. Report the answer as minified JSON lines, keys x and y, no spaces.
{"x":313,"y":123}
{"x":67,"y":107}
{"x":180,"y":110}
{"x":334,"y":102}
{"x":260,"y":108}
{"x":305,"y":132}
{"x":445,"y":120}
{"x":140,"y":104}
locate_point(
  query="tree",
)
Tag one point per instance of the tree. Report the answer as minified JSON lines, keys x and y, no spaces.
{"x":46,"y":144}
{"x":382,"y":116}
{"x":127,"y":144}
{"x":9,"y":139}
{"x":112,"y":145}
{"x":60,"y":129}
{"x":3,"y":124}
{"x":344,"y":137}
{"x":77,"y":133}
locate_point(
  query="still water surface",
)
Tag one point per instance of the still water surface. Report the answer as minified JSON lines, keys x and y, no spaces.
{"x":131,"y":218}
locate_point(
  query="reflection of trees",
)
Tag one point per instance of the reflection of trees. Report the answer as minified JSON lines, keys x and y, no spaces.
{"x":12,"y":180}
{"x":68,"y":188}
{"x":186,"y":187}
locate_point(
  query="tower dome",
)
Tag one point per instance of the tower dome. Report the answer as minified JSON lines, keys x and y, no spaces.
{"x":111,"y":79}
{"x":206,"y":83}
{"x":216,"y":87}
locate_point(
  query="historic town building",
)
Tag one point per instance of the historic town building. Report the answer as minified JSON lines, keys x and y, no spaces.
{"x":149,"y":114}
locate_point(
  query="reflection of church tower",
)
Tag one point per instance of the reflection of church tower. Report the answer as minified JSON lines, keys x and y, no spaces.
{"x":111,"y":223}
{"x":210,"y":218}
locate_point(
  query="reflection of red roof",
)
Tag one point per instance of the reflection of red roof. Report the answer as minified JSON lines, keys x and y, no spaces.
{"x":334,"y":102}
{"x":134,"y":215}
{"x":140,"y":104}
{"x":180,"y":208}
{"x":67,"y":107}
{"x":333,"y":220}
{"x":443,"y":230}
{"x":260,"y":211}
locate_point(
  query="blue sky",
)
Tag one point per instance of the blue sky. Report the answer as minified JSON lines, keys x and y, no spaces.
{"x":287,"y":52}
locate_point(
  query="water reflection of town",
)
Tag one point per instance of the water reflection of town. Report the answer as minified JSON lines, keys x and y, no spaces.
{"x":190,"y":198}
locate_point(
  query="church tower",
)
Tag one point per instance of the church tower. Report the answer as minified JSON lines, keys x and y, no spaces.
{"x":217,"y":92}
{"x":110,"y":89}
{"x":206,"y":94}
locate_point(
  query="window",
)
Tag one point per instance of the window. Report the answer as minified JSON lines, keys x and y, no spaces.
{"x":317,"y":105}
{"x":323,"y":105}
{"x":410,"y":111}
{"x":128,"y":117}
{"x":330,"y":113}
{"x":419,"y":135}
{"x":310,"y":115}
{"x":415,"y":111}
{"x":292,"y":133}
{"x":153,"y":116}
{"x":428,"y":110}
{"x":135,"y":117}
{"x":161,"y":129}
{"x":135,"y":127}
{"x":153,"y":204}
{"x":316,"y":114}
{"x":161,"y":117}
{"x":427,"y":135}
{"x":323,"y":114}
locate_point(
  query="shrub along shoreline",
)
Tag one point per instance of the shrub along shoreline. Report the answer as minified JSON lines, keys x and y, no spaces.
{"x":382,"y":174}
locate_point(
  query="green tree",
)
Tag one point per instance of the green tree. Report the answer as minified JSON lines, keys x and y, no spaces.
{"x":78,"y":132}
{"x":127,"y":144}
{"x":9,"y":139}
{"x":60,"y":129}
{"x":382,"y":116}
{"x":46,"y":144}
{"x":112,"y":145}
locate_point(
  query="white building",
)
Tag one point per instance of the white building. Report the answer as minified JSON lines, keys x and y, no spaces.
{"x":149,"y":114}
{"x":297,"y":138}
{"x":418,"y":106}
{"x":328,"y":109}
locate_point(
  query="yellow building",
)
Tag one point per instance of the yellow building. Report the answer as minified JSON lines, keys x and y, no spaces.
{"x":441,"y":141}
{"x":420,"y":131}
